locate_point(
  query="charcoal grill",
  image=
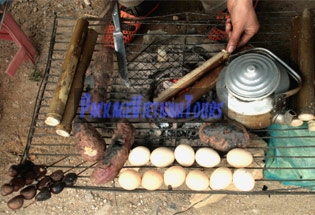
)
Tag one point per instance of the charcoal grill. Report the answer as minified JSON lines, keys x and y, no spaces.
{"x":187,"y":46}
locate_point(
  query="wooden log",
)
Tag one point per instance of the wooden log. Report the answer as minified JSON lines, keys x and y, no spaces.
{"x":69,"y":67}
{"x":192,"y":77}
{"x":305,"y":98}
{"x":65,"y":126}
{"x":201,"y":87}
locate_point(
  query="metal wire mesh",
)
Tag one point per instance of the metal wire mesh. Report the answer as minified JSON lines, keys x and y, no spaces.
{"x":184,"y":37}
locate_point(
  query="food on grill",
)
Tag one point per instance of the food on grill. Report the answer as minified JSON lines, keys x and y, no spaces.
{"x":56,"y":175}
{"x":88,"y":140}
{"x":162,"y":157}
{"x":152,"y":179}
{"x":243,"y":180}
{"x":224,"y":136}
{"x":197,"y":180}
{"x":184,"y":155}
{"x":139,"y":156}
{"x":40,"y":171}
{"x":129,"y":179}
{"x":70,"y":179}
{"x":116,"y":154}
{"x":207,"y":157}
{"x":98,"y":78}
{"x":44,"y":182}
{"x":174,"y":176}
{"x":72,"y":58}
{"x":29,"y":176}
{"x":64,"y":128}
{"x":6,"y":189}
{"x":43,"y":195}
{"x":28,"y":192}
{"x":239,"y":158}
{"x":17,"y":183}
{"x":16,"y":202}
{"x":57,"y":187}
{"x":221,"y":178}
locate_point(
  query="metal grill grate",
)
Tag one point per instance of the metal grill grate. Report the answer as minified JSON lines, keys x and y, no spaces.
{"x":184,"y":38}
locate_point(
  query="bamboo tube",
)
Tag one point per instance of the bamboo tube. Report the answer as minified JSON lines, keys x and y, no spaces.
{"x":65,"y":126}
{"x":193,"y":76}
{"x":60,"y":97}
{"x":294,"y":34}
{"x":305,"y":98}
{"x":201,"y":87}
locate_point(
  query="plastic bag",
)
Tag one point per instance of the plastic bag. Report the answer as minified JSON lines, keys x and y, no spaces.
{"x":290,"y":157}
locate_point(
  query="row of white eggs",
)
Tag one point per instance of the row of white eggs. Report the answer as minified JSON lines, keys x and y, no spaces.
{"x":197,"y":180}
{"x":186,"y":156}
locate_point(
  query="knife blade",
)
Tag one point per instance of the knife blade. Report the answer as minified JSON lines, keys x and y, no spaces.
{"x":120,"y":46}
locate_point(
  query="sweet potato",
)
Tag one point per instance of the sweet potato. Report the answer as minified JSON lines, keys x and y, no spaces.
{"x":88,"y":141}
{"x":224,"y":136}
{"x":116,"y":154}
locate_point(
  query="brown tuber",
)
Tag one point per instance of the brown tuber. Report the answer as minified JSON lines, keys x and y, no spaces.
{"x":6,"y":189}
{"x":29,"y":192}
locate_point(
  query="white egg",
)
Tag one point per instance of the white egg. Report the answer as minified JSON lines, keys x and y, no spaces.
{"x":239,"y":158}
{"x":139,"y":156}
{"x":174,"y":176}
{"x":162,"y":157}
{"x":197,"y":180}
{"x":129,"y":179}
{"x":207,"y":157}
{"x":184,"y":155}
{"x":152,"y":179}
{"x":221,"y":178}
{"x":243,"y":180}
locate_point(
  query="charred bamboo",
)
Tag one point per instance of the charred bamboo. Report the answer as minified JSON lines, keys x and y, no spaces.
{"x":201,"y":87}
{"x":192,"y":77}
{"x":305,"y":98}
{"x":69,"y":67}
{"x":65,"y":126}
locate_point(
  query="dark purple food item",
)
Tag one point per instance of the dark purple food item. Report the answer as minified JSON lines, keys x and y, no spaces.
{"x":57,"y":187}
{"x":28,"y":192}
{"x":43,"y":195}
{"x":70,"y":179}
{"x":17,"y":183}
{"x":224,"y":136}
{"x":16,"y":202}
{"x":88,"y":141}
{"x":44,"y":182}
{"x":116,"y":154}
{"x":57,"y":175}
{"x":6,"y":189}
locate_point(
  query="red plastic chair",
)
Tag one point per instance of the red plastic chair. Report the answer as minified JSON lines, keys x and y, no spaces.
{"x":10,"y":30}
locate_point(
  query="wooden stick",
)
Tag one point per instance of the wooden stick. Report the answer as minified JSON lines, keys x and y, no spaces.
{"x":60,"y":97}
{"x":305,"y":98}
{"x":65,"y":126}
{"x":193,"y":76}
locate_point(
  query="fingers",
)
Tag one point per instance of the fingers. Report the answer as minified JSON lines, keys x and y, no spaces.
{"x":234,"y":35}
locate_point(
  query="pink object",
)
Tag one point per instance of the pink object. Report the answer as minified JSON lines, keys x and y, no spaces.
{"x":10,"y":30}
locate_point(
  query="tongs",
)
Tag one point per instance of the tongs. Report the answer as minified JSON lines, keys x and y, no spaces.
{"x":120,"y":45}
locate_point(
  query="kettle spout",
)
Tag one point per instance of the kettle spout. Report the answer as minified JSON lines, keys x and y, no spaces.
{"x":285,"y":118}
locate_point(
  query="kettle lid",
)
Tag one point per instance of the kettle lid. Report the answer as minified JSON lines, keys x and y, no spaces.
{"x":252,"y":76}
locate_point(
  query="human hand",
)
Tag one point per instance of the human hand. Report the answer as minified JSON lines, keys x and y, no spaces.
{"x":242,"y":25}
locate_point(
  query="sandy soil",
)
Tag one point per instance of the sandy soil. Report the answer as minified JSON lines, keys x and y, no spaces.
{"x":17,"y":99}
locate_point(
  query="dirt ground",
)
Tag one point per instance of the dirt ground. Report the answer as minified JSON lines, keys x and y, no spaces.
{"x":17,"y":99}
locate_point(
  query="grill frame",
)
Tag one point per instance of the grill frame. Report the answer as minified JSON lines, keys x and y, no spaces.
{"x":39,"y":133}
